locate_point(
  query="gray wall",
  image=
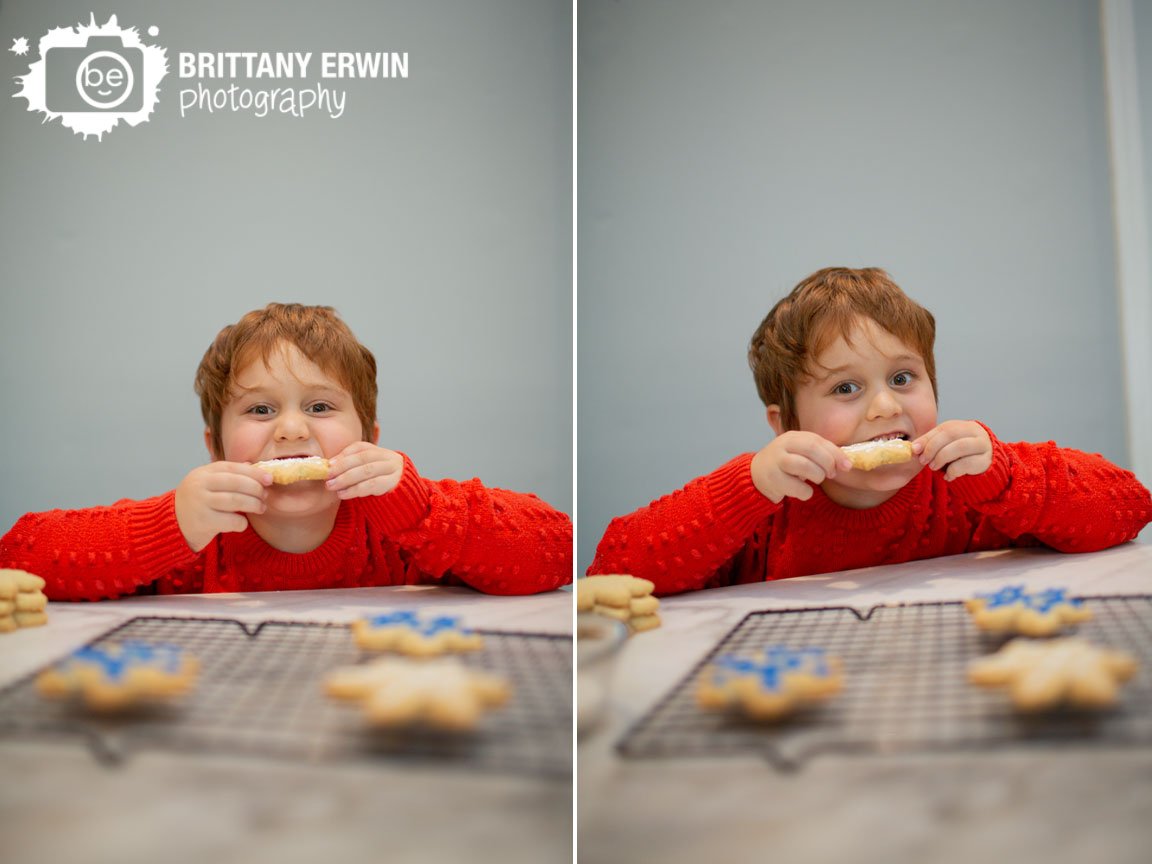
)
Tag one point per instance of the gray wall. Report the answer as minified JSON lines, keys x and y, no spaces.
{"x":435,"y":215}
{"x":728,"y":149}
{"x":1142,"y":15}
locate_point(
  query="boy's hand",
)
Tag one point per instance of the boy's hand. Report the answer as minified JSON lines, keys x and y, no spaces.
{"x":363,"y":469}
{"x":793,"y":460}
{"x":213,"y":499}
{"x":959,"y":446}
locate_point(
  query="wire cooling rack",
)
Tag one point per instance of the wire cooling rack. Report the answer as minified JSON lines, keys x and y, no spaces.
{"x":260,"y":692}
{"x":905,"y":688}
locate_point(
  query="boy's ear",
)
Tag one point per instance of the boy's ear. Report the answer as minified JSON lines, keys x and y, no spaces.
{"x":774,"y":419}
{"x":376,"y":434}
{"x":208,"y":444}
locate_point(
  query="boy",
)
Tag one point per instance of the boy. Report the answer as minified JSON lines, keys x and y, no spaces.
{"x":847,"y":358}
{"x":292,"y":381}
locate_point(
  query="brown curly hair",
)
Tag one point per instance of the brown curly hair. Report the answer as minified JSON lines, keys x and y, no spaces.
{"x":320,"y":335}
{"x":822,"y":307}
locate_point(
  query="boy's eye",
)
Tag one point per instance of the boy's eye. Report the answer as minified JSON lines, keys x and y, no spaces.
{"x":845,"y":388}
{"x":262,"y":410}
{"x":903,"y":379}
{"x":319,"y":408}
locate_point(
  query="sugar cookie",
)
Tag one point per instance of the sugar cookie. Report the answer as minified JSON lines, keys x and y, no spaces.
{"x":442,"y":693}
{"x":1013,"y":610}
{"x":22,"y":600}
{"x":405,"y":633}
{"x":116,"y":677}
{"x":773,"y":687}
{"x":872,"y":454}
{"x":285,"y":471}
{"x":1044,"y":674}
{"x":625,"y":598}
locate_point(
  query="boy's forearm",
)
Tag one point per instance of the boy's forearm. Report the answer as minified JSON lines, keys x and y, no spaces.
{"x":681,"y":541}
{"x":494,"y":540}
{"x":98,"y":553}
{"x":1066,"y":499}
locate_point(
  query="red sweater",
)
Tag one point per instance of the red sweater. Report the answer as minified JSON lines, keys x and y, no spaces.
{"x":423,"y":531}
{"x":719,"y":530}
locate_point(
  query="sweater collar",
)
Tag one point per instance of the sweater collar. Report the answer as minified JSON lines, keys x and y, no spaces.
{"x":824,"y":508}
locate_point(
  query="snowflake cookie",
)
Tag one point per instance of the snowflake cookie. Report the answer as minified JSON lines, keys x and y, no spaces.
{"x":1014,"y":610}
{"x":405,"y":633}
{"x":117,"y":677}
{"x":772,"y":687}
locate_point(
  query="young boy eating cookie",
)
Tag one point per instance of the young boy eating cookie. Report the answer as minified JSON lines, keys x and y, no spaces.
{"x":846,"y":361}
{"x":291,"y":382}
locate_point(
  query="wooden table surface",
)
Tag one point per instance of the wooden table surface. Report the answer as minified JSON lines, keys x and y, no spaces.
{"x":1063,"y":803}
{"x":58,"y":804}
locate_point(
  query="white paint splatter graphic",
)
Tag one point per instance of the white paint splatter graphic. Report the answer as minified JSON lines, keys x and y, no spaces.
{"x":92,"y":76}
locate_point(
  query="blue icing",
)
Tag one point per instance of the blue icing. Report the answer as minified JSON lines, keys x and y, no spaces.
{"x":1042,"y":601}
{"x":115,"y":660}
{"x":777,"y":660}
{"x":409,"y":619}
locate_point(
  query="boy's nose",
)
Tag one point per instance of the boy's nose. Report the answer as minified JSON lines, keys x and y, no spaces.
{"x":291,"y":425}
{"x":884,"y":404}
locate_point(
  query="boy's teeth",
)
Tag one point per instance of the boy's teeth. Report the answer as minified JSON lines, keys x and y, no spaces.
{"x":891,"y":437}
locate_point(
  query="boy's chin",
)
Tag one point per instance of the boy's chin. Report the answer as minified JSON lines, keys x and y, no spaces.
{"x":299,"y":498}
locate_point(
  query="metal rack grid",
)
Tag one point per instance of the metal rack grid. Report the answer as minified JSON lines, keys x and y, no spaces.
{"x":260,"y":692}
{"x":905,"y":688}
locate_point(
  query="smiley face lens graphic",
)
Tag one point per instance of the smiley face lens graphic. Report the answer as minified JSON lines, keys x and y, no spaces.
{"x":104,"y":80}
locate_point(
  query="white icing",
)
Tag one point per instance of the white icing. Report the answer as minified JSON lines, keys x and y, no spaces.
{"x":295,"y":460}
{"x":865,"y":446}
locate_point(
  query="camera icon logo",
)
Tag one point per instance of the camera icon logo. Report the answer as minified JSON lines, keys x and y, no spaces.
{"x":104,"y":75}
{"x":94,"y":77}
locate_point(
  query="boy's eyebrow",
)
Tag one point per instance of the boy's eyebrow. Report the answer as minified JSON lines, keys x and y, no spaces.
{"x":241,"y":390}
{"x":836,"y":370}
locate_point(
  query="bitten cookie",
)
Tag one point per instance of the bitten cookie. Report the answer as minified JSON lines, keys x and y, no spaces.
{"x":405,"y":633}
{"x":868,"y":455}
{"x":286,"y":471}
{"x":442,"y":693}
{"x":773,"y":687}
{"x":625,"y":598}
{"x":1013,"y":610}
{"x":117,"y":677}
{"x":1045,"y":674}
{"x":22,"y":600}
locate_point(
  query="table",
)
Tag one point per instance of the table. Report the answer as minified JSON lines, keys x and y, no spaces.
{"x":1060,"y":804}
{"x":59,"y":804}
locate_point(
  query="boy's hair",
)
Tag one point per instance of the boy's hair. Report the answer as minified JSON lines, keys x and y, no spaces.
{"x":319,"y":334}
{"x":826,"y":305}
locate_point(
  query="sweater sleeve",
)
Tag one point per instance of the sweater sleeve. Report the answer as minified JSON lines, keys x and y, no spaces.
{"x":493,"y":540}
{"x":1066,"y":499}
{"x":101,"y":552}
{"x":681,"y":541}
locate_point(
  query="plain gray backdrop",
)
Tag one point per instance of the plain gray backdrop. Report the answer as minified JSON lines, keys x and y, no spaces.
{"x":729,"y":149}
{"x":435,"y":215}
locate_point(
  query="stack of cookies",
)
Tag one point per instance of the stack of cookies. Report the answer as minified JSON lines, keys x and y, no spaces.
{"x":625,"y":598}
{"x":22,"y":600}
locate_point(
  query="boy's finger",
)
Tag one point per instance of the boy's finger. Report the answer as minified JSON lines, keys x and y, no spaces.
{"x":355,"y":474}
{"x":234,"y":502}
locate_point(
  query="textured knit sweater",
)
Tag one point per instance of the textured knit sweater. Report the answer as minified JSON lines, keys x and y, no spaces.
{"x":720,"y":530}
{"x":423,"y":531}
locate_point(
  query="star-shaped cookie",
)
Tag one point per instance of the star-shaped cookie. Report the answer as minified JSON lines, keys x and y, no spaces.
{"x":1042,"y":674}
{"x":442,"y":693}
